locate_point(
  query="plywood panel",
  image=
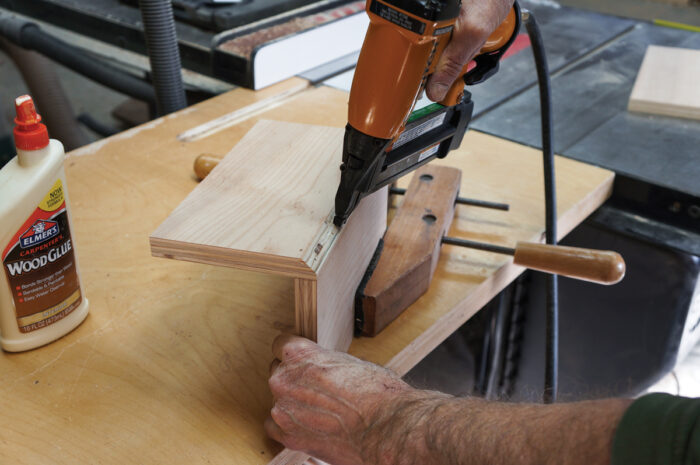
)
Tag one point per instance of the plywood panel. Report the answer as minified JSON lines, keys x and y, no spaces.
{"x":668,"y":83}
{"x":171,"y":365}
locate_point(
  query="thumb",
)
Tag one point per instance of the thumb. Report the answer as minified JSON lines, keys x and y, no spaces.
{"x":448,"y":69}
{"x":273,"y":430}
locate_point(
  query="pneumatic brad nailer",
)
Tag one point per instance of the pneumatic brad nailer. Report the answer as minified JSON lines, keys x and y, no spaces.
{"x":385,"y":139}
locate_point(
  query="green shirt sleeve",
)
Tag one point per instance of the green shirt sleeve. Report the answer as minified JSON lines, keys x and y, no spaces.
{"x":659,"y":429}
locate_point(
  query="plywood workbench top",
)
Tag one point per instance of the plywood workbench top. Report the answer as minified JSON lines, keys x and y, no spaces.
{"x":171,"y":364}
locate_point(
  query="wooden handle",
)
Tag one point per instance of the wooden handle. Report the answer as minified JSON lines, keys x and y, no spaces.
{"x":598,"y":266}
{"x":204,"y":163}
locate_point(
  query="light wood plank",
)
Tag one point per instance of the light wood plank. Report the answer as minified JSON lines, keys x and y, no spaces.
{"x":267,"y":204}
{"x":291,"y":457}
{"x":668,"y":83}
{"x":342,"y":271}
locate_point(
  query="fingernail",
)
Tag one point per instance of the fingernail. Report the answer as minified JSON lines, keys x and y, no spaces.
{"x":438,"y":90}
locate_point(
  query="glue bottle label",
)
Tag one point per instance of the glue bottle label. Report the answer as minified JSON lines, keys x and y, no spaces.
{"x":40,"y":265}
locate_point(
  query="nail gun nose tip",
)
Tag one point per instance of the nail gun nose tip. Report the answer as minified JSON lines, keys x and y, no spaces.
{"x":338,"y":221}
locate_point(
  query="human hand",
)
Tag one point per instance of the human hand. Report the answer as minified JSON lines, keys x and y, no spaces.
{"x":330,"y":404}
{"x":477,"y":20}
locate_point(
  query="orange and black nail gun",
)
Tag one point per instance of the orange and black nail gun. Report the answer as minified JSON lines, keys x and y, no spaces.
{"x":385,"y":138}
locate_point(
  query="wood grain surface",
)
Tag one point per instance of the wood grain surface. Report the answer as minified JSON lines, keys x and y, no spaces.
{"x":305,"y":306}
{"x":668,"y":83}
{"x":343,"y":269}
{"x":171,"y":365}
{"x":266,"y":204}
{"x":597,"y":266}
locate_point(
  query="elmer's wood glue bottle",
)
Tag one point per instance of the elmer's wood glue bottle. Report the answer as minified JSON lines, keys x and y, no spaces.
{"x":41,"y":298}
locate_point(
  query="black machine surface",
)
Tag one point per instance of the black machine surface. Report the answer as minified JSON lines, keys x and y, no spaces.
{"x":118,"y":22}
{"x":226,"y":14}
{"x":618,"y":340}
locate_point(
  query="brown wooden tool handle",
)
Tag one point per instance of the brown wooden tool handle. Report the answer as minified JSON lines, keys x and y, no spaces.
{"x":598,"y":266}
{"x":204,"y":163}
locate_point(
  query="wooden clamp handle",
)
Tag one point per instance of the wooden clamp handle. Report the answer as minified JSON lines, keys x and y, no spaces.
{"x":204,"y":163}
{"x":598,"y":266}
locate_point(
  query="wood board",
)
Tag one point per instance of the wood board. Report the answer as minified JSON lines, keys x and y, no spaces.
{"x":268,"y":206}
{"x":668,"y":83}
{"x":187,"y":345}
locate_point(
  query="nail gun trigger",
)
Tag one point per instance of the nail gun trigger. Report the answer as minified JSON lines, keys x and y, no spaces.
{"x":486,"y":66}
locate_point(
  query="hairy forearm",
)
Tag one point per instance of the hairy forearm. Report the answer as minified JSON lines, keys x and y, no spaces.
{"x":432,"y":428}
{"x":349,"y":412}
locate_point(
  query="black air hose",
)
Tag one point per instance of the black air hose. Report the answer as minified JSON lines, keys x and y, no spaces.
{"x":28,"y":35}
{"x":551,"y":368}
{"x":164,"y":55}
{"x":40,"y":76}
